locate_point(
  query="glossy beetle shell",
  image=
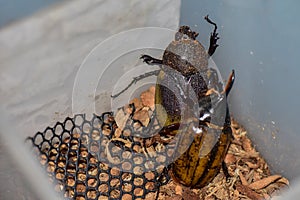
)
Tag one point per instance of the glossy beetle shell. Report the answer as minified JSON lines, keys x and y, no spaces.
{"x":194,"y":171}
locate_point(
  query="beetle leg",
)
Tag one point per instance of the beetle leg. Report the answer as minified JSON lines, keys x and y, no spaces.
{"x":157,"y":138}
{"x":213,"y":37}
{"x":136,"y":79}
{"x":166,"y":130}
{"x":150,"y":60}
{"x":225,"y":171}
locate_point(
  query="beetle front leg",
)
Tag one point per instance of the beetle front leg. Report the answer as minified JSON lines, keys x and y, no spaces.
{"x":213,"y":37}
{"x":150,"y":60}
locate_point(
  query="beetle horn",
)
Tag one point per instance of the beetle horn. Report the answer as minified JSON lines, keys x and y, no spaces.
{"x":230,"y":82}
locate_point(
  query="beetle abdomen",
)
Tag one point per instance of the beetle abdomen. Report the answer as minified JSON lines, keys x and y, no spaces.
{"x":202,"y":161}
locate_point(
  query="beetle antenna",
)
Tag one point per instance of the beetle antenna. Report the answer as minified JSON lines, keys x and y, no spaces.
{"x":136,"y":79}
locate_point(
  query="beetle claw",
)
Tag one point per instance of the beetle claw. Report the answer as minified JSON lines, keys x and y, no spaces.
{"x":150,"y":60}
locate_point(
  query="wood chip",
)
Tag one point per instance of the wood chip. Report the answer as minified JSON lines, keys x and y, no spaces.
{"x":137,"y":103}
{"x":230,"y":158}
{"x":243,"y":179}
{"x":147,"y":98}
{"x":248,"y":192}
{"x":121,"y":118}
{"x":247,"y":146}
{"x":264,"y":182}
{"x":178,"y":190}
{"x":284,"y":181}
{"x":142,"y":116}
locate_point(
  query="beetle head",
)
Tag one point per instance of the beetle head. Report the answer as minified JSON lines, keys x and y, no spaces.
{"x":185,"y":31}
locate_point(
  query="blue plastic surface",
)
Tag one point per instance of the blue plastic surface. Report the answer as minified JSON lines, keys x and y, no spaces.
{"x":260,"y":40}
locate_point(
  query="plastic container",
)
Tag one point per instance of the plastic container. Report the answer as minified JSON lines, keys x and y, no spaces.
{"x":259,"y":39}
